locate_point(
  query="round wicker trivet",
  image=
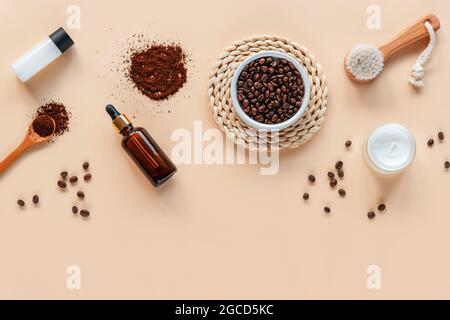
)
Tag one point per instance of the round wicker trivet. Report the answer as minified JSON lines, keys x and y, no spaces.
{"x":222,"y":108}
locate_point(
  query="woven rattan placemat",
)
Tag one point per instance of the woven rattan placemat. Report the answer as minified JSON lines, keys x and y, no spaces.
{"x":219,"y":88}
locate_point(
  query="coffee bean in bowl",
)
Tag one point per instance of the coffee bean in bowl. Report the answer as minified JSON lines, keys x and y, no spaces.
{"x":270,"y":90}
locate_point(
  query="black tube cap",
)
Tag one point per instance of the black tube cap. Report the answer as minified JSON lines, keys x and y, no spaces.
{"x":61,"y":39}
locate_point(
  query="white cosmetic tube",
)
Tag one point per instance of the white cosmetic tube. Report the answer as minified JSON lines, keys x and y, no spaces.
{"x":42,"y":54}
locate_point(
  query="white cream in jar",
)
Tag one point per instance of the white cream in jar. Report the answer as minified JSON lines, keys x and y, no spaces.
{"x":390,"y":148}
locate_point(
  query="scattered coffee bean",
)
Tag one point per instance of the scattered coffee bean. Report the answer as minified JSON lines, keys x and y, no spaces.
{"x":371,"y":214}
{"x":86,"y":165}
{"x":306,"y":196}
{"x":339,"y":165}
{"x":84,"y":213}
{"x":441,"y":135}
{"x":340,"y":173}
{"x":35,"y":199}
{"x":327,"y":209}
{"x":447,"y":164}
{"x":21,"y":203}
{"x":87,"y":177}
{"x":80,"y":194}
{"x":73,"y":179}
{"x":62,"y":184}
{"x":74,"y":209}
{"x":342,"y":192}
{"x":311,"y":178}
{"x":330,"y":175}
{"x":430,"y":142}
{"x":348,"y":143}
{"x":64,"y":175}
{"x":381,"y":207}
{"x":333,"y":183}
{"x":270,"y":90}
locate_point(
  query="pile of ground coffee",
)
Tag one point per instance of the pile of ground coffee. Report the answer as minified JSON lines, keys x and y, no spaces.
{"x":159,"y":70}
{"x":59,"y":114}
{"x":44,"y":126}
{"x":270,"y":90}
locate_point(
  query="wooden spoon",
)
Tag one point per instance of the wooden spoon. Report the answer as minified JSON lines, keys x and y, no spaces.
{"x":410,"y":35}
{"x":31,"y":139}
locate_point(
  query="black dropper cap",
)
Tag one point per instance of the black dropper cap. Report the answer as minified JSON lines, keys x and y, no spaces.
{"x":61,"y":39}
{"x":120,"y":121}
{"x":112,"y":111}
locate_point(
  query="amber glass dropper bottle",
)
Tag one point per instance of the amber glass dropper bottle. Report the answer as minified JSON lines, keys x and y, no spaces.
{"x":142,"y":149}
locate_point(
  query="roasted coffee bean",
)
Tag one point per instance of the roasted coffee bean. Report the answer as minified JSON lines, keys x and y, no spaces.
{"x":73,"y":179}
{"x":35,"y":199}
{"x":64,"y":174}
{"x":371,"y":214}
{"x":74,"y":209}
{"x":311,"y":178}
{"x":84,"y":213}
{"x":348,"y":143}
{"x":86,"y":165}
{"x":340,"y":173}
{"x":342,"y":192}
{"x":430,"y":142}
{"x":270,"y":90}
{"x":21,"y":203}
{"x":333,"y":183}
{"x":330,"y":175}
{"x":80,"y":194}
{"x":87,"y":177}
{"x":62,"y":184}
{"x":447,"y":164}
{"x":274,"y":118}
{"x":306,"y":196}
{"x":441,"y":135}
{"x":381,"y":207}
{"x":339,"y":165}
{"x":327,"y":209}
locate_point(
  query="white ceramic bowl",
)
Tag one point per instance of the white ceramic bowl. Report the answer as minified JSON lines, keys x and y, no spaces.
{"x":262,"y":126}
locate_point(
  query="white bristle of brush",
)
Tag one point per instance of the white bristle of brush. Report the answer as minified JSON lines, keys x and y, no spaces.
{"x":365,"y":62}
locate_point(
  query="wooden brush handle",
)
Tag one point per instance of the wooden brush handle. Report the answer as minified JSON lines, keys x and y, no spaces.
{"x":410,"y":35}
{"x":26,"y":143}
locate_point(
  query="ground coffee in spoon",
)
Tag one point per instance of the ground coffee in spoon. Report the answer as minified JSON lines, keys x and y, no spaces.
{"x":43,"y":126}
{"x":59,"y":114}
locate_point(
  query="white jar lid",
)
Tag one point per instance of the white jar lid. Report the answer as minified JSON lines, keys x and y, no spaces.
{"x":391,"y":147}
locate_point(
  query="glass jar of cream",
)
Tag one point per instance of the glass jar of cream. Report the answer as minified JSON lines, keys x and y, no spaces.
{"x":390,"y":148}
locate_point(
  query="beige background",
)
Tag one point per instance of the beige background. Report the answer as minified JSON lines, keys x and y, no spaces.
{"x":221,"y":231}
